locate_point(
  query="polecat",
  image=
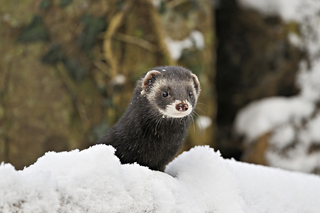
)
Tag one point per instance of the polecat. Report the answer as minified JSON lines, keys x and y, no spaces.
{"x":155,"y":125}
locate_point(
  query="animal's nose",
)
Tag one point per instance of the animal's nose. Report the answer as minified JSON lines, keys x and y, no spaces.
{"x":182,"y":107}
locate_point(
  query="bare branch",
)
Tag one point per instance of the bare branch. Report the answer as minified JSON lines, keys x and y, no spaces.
{"x":137,"y":41}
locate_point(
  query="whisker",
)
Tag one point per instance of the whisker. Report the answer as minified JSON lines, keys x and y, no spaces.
{"x":196,"y":114}
{"x":199,"y":124}
{"x":194,"y":124}
{"x":198,"y":108}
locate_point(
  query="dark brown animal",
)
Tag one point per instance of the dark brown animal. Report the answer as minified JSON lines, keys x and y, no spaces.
{"x":155,"y":125}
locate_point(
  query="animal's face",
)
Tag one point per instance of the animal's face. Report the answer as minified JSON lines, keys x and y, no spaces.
{"x":172,"y":90}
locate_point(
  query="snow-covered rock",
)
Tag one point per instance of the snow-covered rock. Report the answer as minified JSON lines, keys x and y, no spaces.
{"x":93,"y":180}
{"x":268,"y":114}
{"x":293,"y":123}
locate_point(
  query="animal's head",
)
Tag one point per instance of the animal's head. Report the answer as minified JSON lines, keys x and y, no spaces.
{"x":173,"y":90}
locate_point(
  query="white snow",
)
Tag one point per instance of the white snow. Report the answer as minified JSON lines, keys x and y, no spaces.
{"x":203,"y":122}
{"x":265,"y":115}
{"x":295,"y":40}
{"x":312,"y":132}
{"x":309,"y":80}
{"x":93,"y":180}
{"x":282,"y":136}
{"x":119,"y":80}
{"x":176,"y":47}
{"x":156,"y":3}
{"x":297,"y":159}
{"x":287,"y":9}
{"x":197,"y":37}
{"x":306,"y":14}
{"x":281,"y":116}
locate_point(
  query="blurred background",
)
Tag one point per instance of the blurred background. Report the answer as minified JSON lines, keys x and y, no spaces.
{"x":68,"y":69}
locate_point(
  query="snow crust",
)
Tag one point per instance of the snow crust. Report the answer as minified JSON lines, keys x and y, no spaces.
{"x":93,"y":180}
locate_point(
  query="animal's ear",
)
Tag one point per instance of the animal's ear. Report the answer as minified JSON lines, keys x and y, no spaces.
{"x":196,"y":83}
{"x":147,"y":80}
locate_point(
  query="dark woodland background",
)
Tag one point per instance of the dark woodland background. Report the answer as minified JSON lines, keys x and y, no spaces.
{"x":63,"y":62}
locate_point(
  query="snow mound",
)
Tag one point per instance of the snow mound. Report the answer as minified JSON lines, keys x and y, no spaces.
{"x":93,"y":180}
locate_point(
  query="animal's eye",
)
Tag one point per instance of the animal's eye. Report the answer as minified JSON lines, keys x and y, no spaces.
{"x":164,"y":94}
{"x":190,"y":94}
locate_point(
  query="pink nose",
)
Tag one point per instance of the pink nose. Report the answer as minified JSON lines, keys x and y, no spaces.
{"x":182,"y":107}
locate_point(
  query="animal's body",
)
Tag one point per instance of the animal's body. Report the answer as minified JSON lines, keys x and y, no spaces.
{"x":155,"y":125}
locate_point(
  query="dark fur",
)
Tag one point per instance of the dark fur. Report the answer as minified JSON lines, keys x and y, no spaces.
{"x":142,"y":134}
